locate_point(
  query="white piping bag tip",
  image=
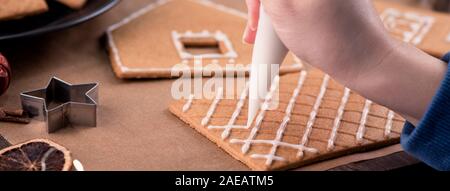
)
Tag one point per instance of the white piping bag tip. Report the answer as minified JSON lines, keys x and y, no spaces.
{"x":267,"y":51}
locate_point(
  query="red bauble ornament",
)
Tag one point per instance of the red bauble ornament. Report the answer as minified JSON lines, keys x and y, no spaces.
{"x":5,"y":74}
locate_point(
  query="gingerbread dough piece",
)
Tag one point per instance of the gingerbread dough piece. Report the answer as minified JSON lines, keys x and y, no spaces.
{"x":13,"y":9}
{"x":151,"y":41}
{"x":425,"y":29}
{"x":73,"y":4}
{"x":316,"y":119}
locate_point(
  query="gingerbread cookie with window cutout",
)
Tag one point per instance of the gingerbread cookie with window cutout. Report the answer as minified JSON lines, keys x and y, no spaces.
{"x":166,"y":38}
{"x":425,"y":29}
{"x":316,"y":119}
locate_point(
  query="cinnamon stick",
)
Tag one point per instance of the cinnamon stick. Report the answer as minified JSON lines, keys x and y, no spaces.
{"x":16,"y":113}
{"x":15,"y":119}
{"x":15,"y":116}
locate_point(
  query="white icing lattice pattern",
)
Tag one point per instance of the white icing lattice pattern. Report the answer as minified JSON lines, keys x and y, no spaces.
{"x":313,"y":114}
{"x":278,"y":142}
{"x":409,"y":26}
{"x":227,"y":128}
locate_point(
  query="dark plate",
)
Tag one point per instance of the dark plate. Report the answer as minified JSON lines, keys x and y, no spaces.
{"x":58,"y":17}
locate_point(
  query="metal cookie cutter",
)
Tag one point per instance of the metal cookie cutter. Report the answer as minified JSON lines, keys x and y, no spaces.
{"x":61,"y":104}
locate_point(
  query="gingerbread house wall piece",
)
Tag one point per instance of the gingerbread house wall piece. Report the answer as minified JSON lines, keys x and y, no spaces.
{"x":147,"y":43}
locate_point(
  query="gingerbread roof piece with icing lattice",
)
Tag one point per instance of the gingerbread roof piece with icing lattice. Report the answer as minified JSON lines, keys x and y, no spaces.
{"x":316,"y":119}
{"x":168,"y":33}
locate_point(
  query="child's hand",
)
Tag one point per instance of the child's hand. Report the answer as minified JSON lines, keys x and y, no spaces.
{"x":342,"y":37}
{"x":346,"y":39}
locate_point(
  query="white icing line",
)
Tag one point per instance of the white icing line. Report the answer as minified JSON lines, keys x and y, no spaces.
{"x":230,"y":125}
{"x":428,"y":23}
{"x":246,"y":143}
{"x":362,"y":122}
{"x":271,"y":142}
{"x":233,"y":69}
{"x":267,"y":157}
{"x":275,"y":143}
{"x":313,"y":114}
{"x":115,"y":51}
{"x":125,"y":21}
{"x":222,"y":8}
{"x":45,"y":157}
{"x":188,"y":104}
{"x":337,"y":120}
{"x":227,"y":129}
{"x":389,"y":121}
{"x":212,"y":108}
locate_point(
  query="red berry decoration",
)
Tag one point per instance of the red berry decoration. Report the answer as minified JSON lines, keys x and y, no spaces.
{"x":5,"y":74}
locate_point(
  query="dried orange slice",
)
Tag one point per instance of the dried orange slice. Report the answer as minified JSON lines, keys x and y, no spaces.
{"x":35,"y":155}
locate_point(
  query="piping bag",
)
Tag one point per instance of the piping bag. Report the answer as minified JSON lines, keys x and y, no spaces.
{"x":268,"y":53}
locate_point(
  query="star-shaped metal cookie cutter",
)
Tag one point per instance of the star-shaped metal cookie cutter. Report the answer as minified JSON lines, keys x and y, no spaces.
{"x":61,"y":104}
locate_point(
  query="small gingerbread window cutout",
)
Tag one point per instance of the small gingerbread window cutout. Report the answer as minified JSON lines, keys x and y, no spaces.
{"x":205,"y":45}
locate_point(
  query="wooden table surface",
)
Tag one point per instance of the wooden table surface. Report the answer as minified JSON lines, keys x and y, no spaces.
{"x":77,"y":55}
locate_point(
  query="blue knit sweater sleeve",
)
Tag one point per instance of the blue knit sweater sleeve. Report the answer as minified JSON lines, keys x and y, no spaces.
{"x":430,"y":140}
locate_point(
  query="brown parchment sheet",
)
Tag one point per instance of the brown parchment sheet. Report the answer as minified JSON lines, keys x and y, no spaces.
{"x":135,"y":129}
